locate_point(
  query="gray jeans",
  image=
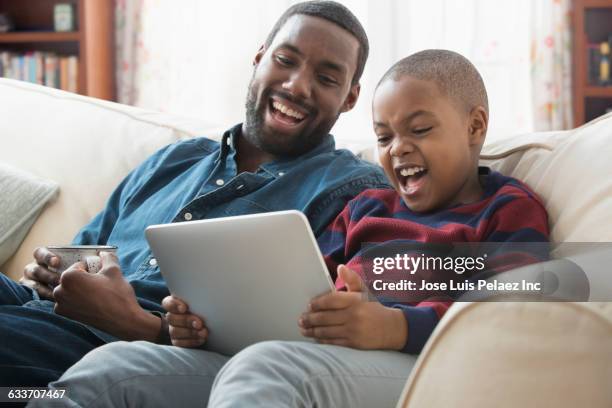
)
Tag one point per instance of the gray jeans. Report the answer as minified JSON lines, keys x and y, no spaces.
{"x":267,"y":374}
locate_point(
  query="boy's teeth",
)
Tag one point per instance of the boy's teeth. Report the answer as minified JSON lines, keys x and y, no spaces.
{"x":411,"y":171}
{"x":287,"y":111}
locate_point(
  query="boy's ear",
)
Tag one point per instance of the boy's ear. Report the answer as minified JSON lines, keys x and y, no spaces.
{"x":351,"y":98}
{"x":259,"y":55}
{"x":479,"y":120}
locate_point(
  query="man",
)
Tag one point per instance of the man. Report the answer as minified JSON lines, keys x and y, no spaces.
{"x":281,"y":157}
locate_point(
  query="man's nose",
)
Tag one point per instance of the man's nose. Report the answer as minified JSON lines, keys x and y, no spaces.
{"x":299,"y":84}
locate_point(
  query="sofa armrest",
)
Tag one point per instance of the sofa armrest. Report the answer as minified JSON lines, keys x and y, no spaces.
{"x":516,"y":354}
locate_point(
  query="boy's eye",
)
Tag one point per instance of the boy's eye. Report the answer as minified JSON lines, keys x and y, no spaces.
{"x":383,"y":139}
{"x":421,"y":131}
{"x":284,"y":60}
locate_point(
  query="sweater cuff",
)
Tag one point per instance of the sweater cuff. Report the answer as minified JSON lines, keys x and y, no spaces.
{"x":421,"y":323}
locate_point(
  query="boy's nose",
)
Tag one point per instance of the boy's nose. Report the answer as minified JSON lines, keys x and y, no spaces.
{"x":401,"y":147}
{"x":299,"y":85}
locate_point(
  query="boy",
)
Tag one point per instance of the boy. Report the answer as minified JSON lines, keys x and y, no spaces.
{"x":430,"y":114}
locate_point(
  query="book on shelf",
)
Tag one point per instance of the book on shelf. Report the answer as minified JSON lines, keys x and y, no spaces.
{"x":43,"y":68}
{"x":594,"y":59}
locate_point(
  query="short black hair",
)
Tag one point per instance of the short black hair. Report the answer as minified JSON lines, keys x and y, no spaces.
{"x":454,"y":75}
{"x":335,"y":13}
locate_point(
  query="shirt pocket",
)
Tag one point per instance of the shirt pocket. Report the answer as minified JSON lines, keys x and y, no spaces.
{"x":244,"y":206}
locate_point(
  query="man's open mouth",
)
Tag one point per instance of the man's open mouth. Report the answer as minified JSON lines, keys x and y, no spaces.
{"x":410,"y":178}
{"x":286,"y":112}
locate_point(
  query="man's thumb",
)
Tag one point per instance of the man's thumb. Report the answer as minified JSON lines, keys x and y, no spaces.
{"x":110,"y":263}
{"x":350,"y":278}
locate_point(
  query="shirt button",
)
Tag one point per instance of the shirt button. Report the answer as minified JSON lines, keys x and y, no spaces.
{"x":153,"y":262}
{"x":220,"y":182}
{"x":282,"y":173}
{"x":188,"y":216}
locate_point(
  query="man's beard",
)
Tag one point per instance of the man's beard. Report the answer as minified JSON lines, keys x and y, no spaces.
{"x":277,"y":144}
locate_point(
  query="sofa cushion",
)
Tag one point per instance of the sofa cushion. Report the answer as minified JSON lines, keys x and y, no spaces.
{"x":23,"y":198}
{"x":86,"y":145}
{"x":570,"y":170}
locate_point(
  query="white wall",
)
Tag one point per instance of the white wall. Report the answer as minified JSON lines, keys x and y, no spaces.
{"x":195,"y":56}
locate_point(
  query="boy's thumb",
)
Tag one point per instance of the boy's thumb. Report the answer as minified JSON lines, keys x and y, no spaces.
{"x":350,"y":278}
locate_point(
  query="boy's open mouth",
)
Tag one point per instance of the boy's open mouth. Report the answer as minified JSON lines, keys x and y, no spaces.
{"x":285,"y":113}
{"x":410,"y":178}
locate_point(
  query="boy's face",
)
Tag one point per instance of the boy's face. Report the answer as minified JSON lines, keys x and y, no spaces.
{"x":426,"y":145}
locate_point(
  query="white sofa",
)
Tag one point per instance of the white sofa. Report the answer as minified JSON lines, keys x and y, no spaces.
{"x":481,"y":354}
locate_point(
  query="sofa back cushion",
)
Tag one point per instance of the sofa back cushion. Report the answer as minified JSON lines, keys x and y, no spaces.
{"x":570,"y":170}
{"x":85,"y":145}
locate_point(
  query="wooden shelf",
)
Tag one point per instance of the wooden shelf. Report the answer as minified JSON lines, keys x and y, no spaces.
{"x":598,"y":91}
{"x":596,"y":3}
{"x":591,"y":20}
{"x":39,"y":36}
{"x":92,"y":41}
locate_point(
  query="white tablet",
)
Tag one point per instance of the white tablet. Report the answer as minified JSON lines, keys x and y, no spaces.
{"x":250,"y":276}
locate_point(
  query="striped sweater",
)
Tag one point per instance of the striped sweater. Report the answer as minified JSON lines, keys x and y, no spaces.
{"x":508,"y":212}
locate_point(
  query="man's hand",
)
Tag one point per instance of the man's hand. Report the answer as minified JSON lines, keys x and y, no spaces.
{"x":104,"y":300}
{"x":349,"y":319}
{"x":186,"y":329}
{"x":37,"y":275}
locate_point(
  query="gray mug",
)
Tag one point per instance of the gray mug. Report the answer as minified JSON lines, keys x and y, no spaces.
{"x":88,"y":254}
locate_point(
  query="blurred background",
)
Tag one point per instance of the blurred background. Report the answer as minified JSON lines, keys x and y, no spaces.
{"x":542,"y":61}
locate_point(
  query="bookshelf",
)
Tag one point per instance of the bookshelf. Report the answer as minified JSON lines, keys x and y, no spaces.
{"x":592,"y":21}
{"x":92,"y":40}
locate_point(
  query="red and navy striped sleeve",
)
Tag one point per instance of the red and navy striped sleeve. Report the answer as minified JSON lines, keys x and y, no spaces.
{"x":332,"y":242}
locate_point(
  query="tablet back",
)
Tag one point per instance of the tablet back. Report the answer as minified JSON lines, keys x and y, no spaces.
{"x":250,"y":277}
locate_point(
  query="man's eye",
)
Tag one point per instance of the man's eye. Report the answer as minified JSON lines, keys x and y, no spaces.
{"x":326,"y":79}
{"x":421,"y":131}
{"x":284,"y":60}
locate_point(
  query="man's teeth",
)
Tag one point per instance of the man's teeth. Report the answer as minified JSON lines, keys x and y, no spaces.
{"x":411,"y":171}
{"x":287,"y":111}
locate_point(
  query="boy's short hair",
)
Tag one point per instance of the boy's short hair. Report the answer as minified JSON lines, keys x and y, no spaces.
{"x":335,"y":13}
{"x":454,"y":75}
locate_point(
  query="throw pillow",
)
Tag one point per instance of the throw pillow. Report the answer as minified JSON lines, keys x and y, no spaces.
{"x":22,"y":198}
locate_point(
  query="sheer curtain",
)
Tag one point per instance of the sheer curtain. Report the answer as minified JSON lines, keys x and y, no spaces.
{"x":551,"y":62}
{"x":194,"y":57}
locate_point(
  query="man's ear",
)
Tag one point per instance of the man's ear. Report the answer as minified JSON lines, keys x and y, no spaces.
{"x":259,"y":55}
{"x":351,"y":98}
{"x":479,"y":120}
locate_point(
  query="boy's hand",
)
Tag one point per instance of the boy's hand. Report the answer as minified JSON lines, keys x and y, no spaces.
{"x":186,"y":329}
{"x":349,"y":319}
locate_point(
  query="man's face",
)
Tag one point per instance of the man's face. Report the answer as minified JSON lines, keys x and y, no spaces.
{"x":424,"y":145}
{"x":300,"y":85}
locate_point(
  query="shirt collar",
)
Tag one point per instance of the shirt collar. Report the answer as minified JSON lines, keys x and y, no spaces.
{"x":281,"y":166}
{"x":228,"y":141}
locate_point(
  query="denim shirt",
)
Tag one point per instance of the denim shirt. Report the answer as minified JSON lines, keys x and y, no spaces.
{"x":197,"y":179}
